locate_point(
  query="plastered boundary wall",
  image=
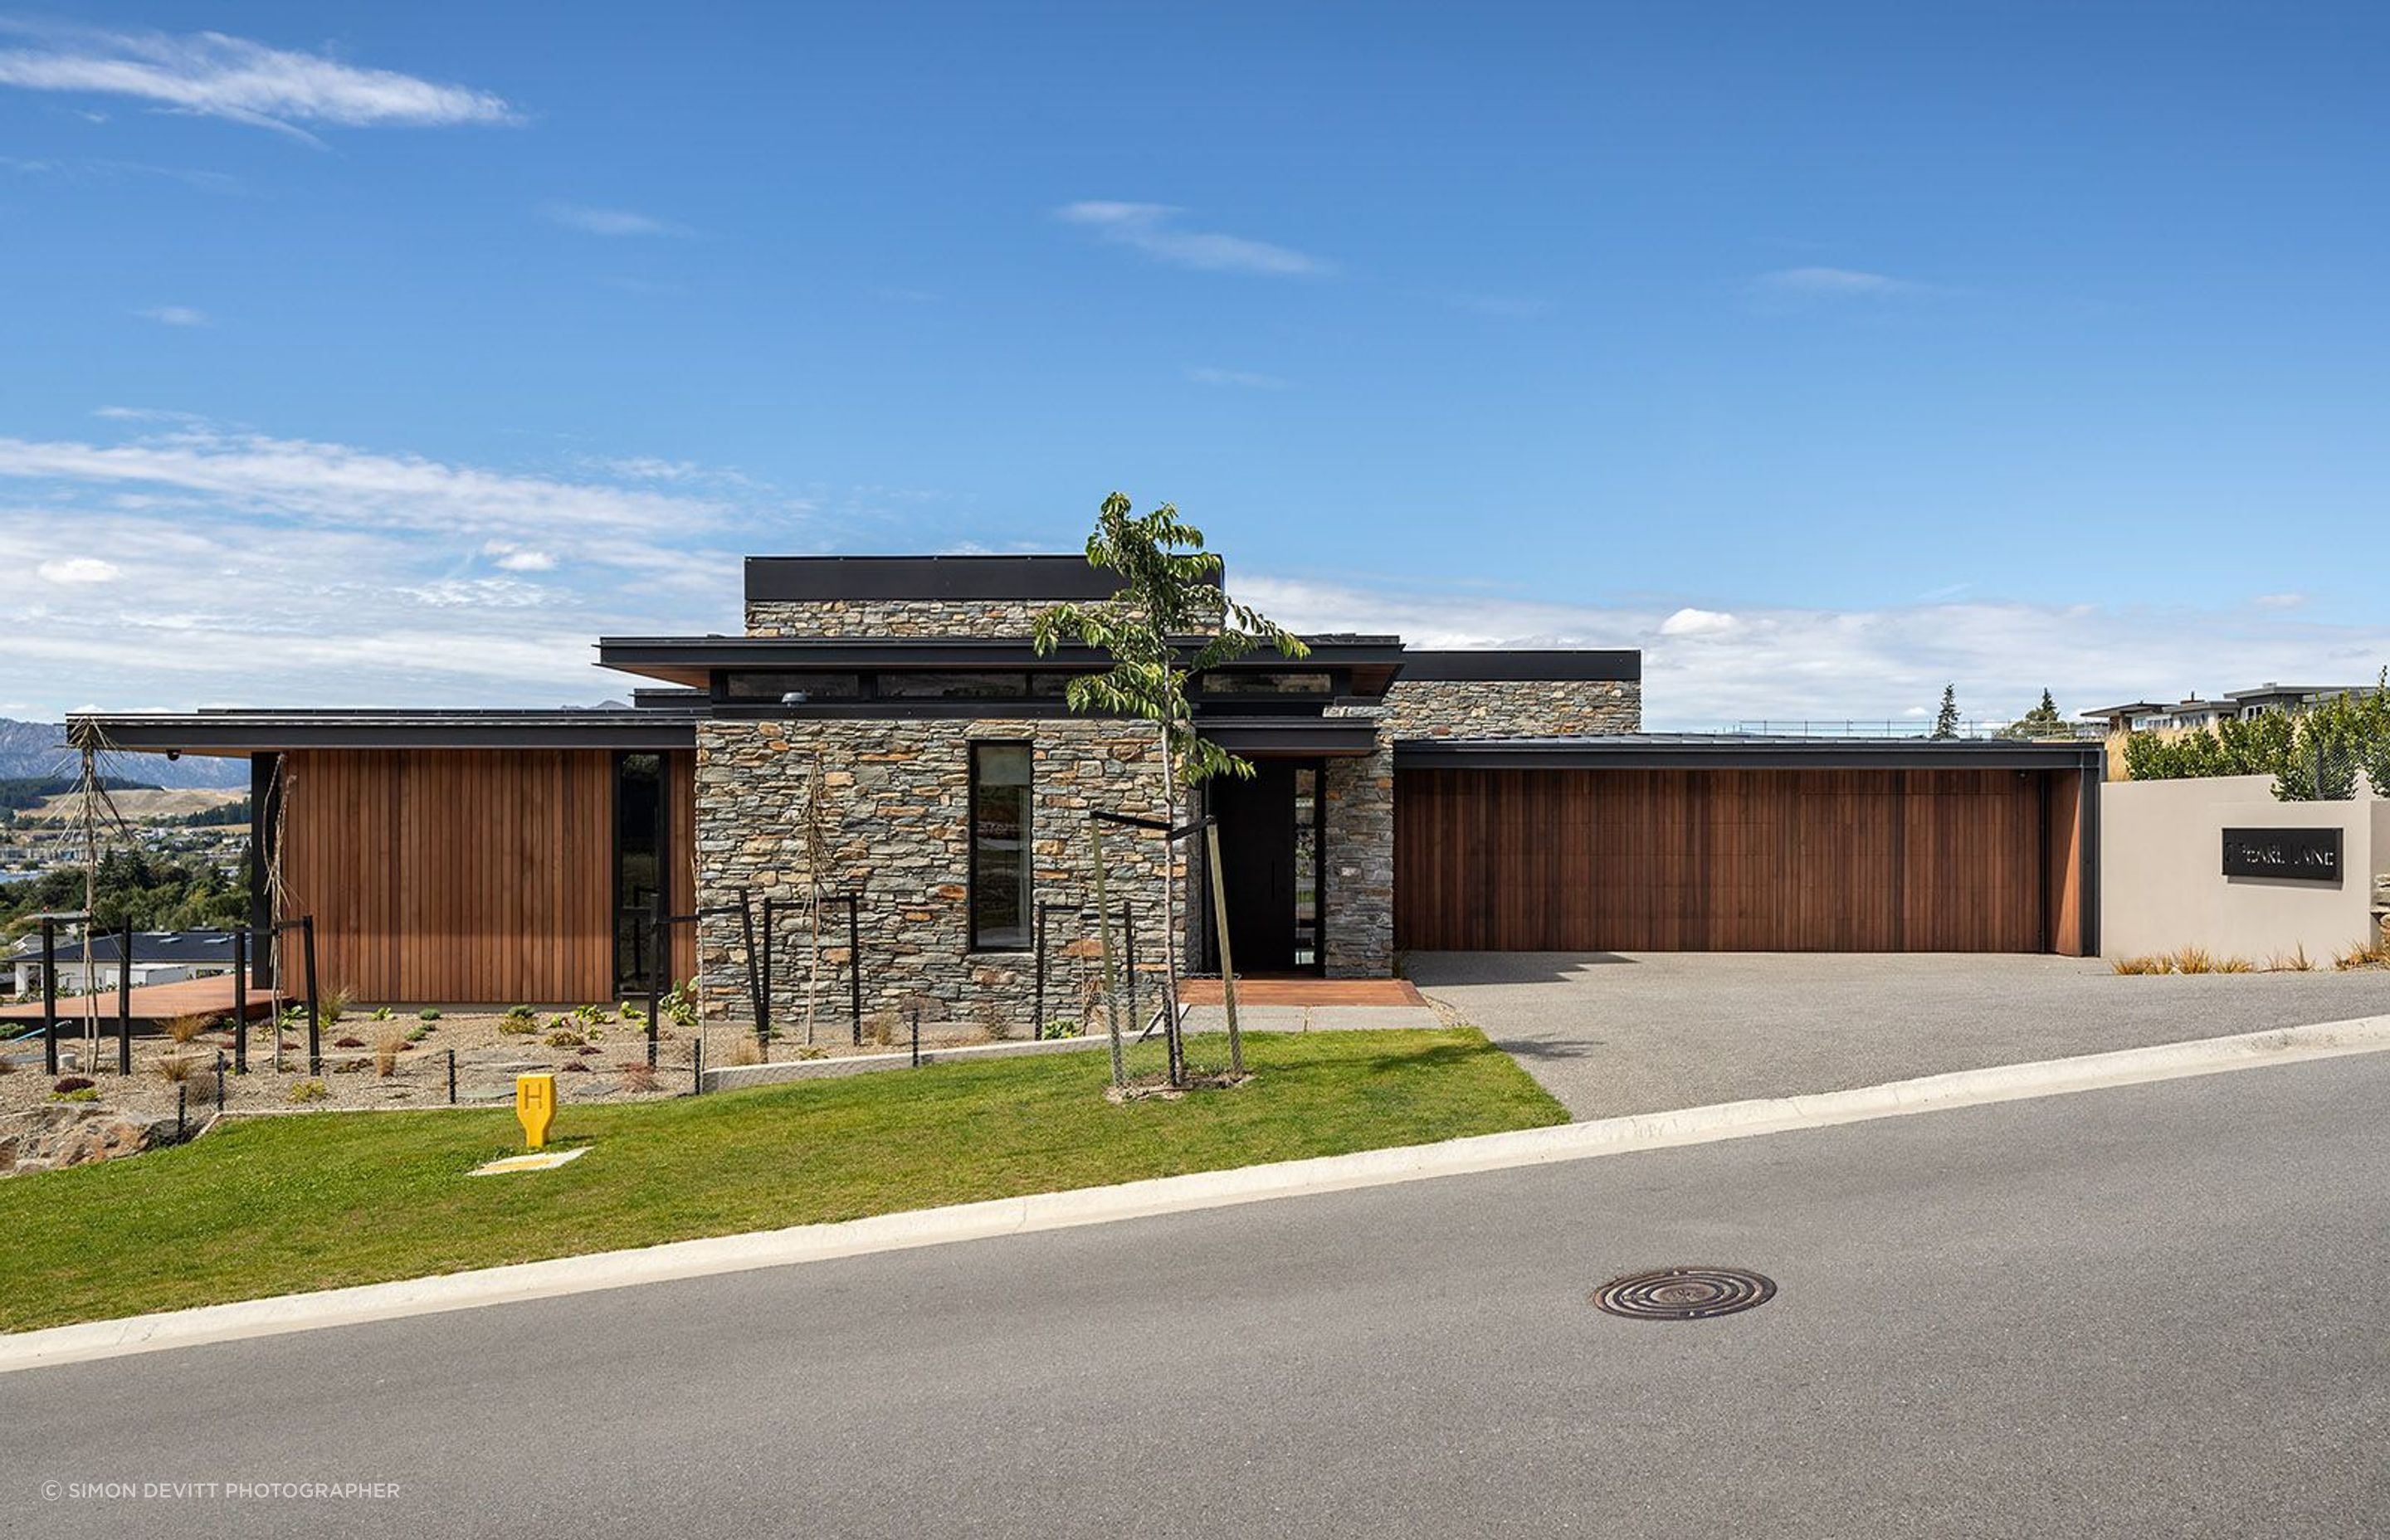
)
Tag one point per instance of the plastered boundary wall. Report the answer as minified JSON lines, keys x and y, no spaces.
{"x":2162,"y":884}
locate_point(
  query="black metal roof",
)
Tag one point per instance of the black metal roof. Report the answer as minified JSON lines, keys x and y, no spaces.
{"x":814,"y":579}
{"x":148,"y":946}
{"x":1737,"y":751}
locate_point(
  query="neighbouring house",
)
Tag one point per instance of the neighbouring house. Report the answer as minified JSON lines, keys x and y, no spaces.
{"x":158,"y":957}
{"x":2192,"y":712}
{"x":884,"y":756}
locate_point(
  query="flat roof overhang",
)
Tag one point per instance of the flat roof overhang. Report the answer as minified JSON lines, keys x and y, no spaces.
{"x":1291,"y":736}
{"x":1661,"y":752}
{"x":251,"y":732}
{"x":693,"y":660}
{"x":1624,"y":664}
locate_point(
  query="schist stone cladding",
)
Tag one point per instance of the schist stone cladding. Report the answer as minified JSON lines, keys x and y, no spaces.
{"x":886,"y":801}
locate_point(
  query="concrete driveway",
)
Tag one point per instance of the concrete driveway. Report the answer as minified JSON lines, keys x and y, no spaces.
{"x":1614,"y":1032}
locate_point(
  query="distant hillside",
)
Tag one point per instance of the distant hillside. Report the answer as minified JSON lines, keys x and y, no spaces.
{"x":33,"y":749}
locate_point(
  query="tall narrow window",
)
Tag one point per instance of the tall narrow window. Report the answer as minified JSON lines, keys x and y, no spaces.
{"x":999,"y":847}
{"x":638,"y":867}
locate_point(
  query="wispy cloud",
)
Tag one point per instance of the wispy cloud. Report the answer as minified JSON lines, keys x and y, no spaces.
{"x":1152,"y":229}
{"x":359,"y":574}
{"x":1837,"y":283}
{"x":1712,"y":667}
{"x":215,"y":75}
{"x":87,"y":168}
{"x":608,"y":222}
{"x":176,"y":316}
{"x":1243,"y":379}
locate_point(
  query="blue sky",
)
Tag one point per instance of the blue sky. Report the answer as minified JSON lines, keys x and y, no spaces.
{"x":386,"y":354}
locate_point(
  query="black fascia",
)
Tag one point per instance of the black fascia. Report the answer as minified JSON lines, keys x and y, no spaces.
{"x":1627,"y":752}
{"x":1624,"y":664}
{"x":221,"y":732}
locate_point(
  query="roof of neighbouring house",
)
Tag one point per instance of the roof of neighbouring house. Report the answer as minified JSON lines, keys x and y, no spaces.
{"x":162,"y":947}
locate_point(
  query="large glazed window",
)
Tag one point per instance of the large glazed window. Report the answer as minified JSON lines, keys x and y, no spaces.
{"x":999,"y":847}
{"x":638,"y":867}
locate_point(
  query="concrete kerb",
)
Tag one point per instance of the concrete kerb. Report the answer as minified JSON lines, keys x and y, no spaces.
{"x":688,"y":1259}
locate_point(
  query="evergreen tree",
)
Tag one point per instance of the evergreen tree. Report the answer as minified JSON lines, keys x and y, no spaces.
{"x":1945,"y":721}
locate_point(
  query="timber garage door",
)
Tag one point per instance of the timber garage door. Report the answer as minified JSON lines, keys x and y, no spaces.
{"x":1730,"y":860}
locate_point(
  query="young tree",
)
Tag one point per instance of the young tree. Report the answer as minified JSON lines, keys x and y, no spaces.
{"x":1169,"y":621}
{"x":1945,"y":721}
{"x":2043,"y":721}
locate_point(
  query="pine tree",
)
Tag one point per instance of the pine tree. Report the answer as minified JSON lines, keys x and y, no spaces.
{"x":1945,"y":721}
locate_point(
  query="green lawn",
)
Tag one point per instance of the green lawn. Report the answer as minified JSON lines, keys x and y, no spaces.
{"x":283,"y":1204}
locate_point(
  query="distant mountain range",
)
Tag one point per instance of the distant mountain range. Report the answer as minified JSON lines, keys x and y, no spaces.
{"x":37,"y":749}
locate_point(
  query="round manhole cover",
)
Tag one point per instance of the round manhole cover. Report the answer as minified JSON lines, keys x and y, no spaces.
{"x":1684,"y":1293}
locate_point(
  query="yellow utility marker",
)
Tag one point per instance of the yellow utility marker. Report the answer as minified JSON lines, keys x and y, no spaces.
{"x":535,"y":1108}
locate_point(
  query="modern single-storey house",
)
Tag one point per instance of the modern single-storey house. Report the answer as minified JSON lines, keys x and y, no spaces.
{"x":883,"y":728}
{"x":158,"y":957}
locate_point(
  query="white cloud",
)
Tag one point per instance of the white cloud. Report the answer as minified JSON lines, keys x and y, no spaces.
{"x":1243,"y":379}
{"x":266,"y":570}
{"x":608,"y":222}
{"x":176,"y":315}
{"x":1836,"y":283}
{"x":1827,"y":667}
{"x":512,"y":558}
{"x":2280,"y":601}
{"x":1690,"y":621}
{"x":1149,"y":228}
{"x":76,"y":570}
{"x":213,"y":75}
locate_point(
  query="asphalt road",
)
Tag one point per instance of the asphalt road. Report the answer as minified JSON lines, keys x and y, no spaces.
{"x":1614,"y":1032}
{"x":2152,"y":1311}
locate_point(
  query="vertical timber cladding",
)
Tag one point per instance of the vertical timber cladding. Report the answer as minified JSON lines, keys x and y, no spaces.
{"x":1758,"y":860}
{"x":464,"y":875}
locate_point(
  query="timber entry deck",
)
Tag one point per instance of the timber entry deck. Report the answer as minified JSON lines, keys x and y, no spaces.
{"x":154,"y":1003}
{"x":1302,"y":991}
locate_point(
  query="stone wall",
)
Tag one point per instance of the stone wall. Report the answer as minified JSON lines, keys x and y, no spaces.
{"x":980,"y":618}
{"x":892,"y":819}
{"x":1513,"y":707}
{"x":1358,"y":929}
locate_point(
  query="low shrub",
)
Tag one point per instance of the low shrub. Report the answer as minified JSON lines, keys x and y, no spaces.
{"x":2295,"y":961}
{"x":184,"y":1030}
{"x":587,"y":1049}
{"x":518,"y":1026}
{"x":564,"y":1037}
{"x":2372,"y":954}
{"x":179,"y":1069}
{"x":387,"y":1047}
{"x":745,"y":1050}
{"x":349,"y":1041}
{"x":2192,"y":959}
{"x":523,"y":1013}
{"x":427,"y":1016}
{"x":89,"y":1092}
{"x":334,"y":1005}
{"x":574,"y":1066}
{"x":812,"y":1051}
{"x":637,"y":1075}
{"x":67,"y":1085}
{"x":1063,"y":1026}
{"x":419,"y":1034}
{"x":308,"y":1090}
{"x":7,"y":1066}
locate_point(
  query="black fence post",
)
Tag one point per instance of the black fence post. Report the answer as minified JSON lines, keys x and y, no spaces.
{"x":697,"y":1068}
{"x":124,"y":998}
{"x":451,"y":1077}
{"x":240,"y":1002}
{"x":855,"y":962}
{"x":220,"y":1074}
{"x":660,"y":945}
{"x":763,"y":990}
{"x":1128,"y":944}
{"x":916,"y":1008}
{"x":182,"y":1111}
{"x":49,"y":995}
{"x":747,"y":928}
{"x":314,"y":1016}
{"x":1037,"y":997}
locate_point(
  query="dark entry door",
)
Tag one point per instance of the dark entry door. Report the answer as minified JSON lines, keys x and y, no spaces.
{"x":1269,"y":856}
